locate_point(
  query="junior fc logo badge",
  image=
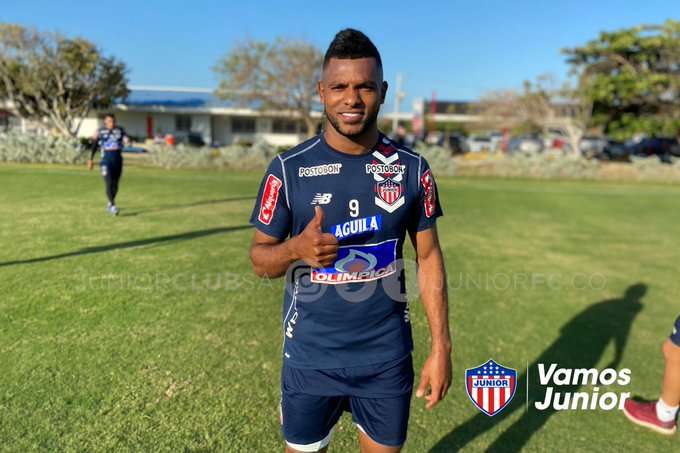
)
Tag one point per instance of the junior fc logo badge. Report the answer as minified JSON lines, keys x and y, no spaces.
{"x":388,"y":174}
{"x":490,"y":386}
{"x":388,"y":191}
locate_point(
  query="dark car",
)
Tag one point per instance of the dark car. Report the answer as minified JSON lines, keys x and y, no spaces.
{"x":613,"y":150}
{"x":190,"y":138}
{"x":457,"y":143}
{"x":134,"y":149}
{"x":662,"y":147}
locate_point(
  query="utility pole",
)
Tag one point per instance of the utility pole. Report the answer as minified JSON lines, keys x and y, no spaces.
{"x":398,"y":95}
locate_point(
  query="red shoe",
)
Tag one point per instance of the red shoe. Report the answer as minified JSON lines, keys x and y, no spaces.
{"x":644,"y":414}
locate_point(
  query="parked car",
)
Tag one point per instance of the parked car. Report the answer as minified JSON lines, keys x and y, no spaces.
{"x":555,"y":138}
{"x":614,"y":150}
{"x":662,"y":147}
{"x":477,"y":143}
{"x":457,"y":143}
{"x":189,"y":138}
{"x":435,"y":138}
{"x":526,"y":144}
{"x":592,"y":146}
{"x":134,"y":149}
{"x":496,"y":140}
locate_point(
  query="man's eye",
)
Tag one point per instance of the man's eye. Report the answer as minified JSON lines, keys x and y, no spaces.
{"x":337,"y":88}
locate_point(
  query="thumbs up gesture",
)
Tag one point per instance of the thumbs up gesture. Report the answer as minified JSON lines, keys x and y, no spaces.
{"x":313,"y":246}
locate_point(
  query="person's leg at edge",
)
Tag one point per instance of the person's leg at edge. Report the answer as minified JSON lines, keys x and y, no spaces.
{"x":660,"y":415}
{"x":667,"y":406}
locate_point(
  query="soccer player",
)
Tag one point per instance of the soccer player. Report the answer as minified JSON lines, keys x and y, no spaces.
{"x":660,"y":415}
{"x":110,"y":139}
{"x":332,"y":214}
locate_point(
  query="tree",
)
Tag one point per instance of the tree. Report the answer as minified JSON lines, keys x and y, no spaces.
{"x":538,"y":107}
{"x":280,"y":76}
{"x":56,"y":81}
{"x":632,"y":77}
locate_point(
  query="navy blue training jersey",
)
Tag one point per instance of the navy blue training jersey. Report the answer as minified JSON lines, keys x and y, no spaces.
{"x":111,"y":139}
{"x":353,"y":312}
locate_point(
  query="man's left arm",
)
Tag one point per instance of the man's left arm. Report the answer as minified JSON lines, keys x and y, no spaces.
{"x":436,"y":373}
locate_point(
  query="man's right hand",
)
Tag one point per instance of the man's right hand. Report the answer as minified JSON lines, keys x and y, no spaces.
{"x":314,"y":247}
{"x":90,"y":164}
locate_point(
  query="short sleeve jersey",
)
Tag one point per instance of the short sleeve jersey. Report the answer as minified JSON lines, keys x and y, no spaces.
{"x":111,"y":139}
{"x":354,"y":312}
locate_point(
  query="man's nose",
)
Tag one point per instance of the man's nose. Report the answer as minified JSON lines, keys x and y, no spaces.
{"x":352,"y":98}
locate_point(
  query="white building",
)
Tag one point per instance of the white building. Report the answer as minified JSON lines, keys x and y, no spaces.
{"x":184,"y":112}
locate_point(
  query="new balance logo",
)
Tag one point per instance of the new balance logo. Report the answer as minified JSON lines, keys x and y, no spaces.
{"x":322,"y":198}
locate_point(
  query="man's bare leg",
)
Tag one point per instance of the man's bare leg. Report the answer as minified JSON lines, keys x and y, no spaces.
{"x":670,"y":393}
{"x":368,"y":445}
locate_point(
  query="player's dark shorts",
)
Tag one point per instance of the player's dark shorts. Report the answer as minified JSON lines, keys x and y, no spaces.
{"x":111,"y":164}
{"x":675,"y":336}
{"x":378,"y":397}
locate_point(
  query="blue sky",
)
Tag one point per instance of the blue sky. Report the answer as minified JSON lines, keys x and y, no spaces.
{"x":460,"y":49}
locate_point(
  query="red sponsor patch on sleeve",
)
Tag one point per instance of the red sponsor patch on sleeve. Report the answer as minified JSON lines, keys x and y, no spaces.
{"x":270,"y":196}
{"x":430,"y":198}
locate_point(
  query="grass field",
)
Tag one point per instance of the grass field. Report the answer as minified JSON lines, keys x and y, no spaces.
{"x":147,"y":332}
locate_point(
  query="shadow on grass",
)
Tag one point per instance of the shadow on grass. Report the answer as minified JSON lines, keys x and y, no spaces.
{"x":131,"y":244}
{"x":581,"y":343}
{"x":169,"y":207}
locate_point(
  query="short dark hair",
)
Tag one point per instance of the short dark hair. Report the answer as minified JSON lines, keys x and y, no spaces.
{"x":351,"y":44}
{"x":110,"y":115}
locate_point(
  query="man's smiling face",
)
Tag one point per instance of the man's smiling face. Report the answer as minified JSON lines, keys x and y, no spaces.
{"x":352,"y":91}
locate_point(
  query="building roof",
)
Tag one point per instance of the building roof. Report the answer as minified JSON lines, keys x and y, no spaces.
{"x":193,"y":98}
{"x":176,"y":98}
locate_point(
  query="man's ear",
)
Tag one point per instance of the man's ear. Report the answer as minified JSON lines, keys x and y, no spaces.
{"x":319,"y":90}
{"x":384,"y":91}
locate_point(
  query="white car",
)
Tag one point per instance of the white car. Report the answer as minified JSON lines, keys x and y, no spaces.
{"x":477,"y":143}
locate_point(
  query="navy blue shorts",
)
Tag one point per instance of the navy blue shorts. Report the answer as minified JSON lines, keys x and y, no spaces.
{"x":378,"y":397}
{"x":675,"y":336}
{"x":111,"y":165}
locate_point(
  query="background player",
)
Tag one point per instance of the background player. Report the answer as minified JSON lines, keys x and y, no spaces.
{"x":660,"y":415}
{"x":342,"y":202}
{"x":110,"y":139}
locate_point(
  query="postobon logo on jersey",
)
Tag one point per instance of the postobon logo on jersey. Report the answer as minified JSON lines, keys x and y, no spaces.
{"x":359,"y":263}
{"x":319,"y":170}
{"x":395,"y":169}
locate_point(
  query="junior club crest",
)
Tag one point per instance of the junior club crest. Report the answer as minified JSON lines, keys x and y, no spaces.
{"x":490,"y":386}
{"x":389,"y":191}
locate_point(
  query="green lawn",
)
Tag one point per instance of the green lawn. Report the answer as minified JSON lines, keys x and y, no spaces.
{"x":147,"y":332}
